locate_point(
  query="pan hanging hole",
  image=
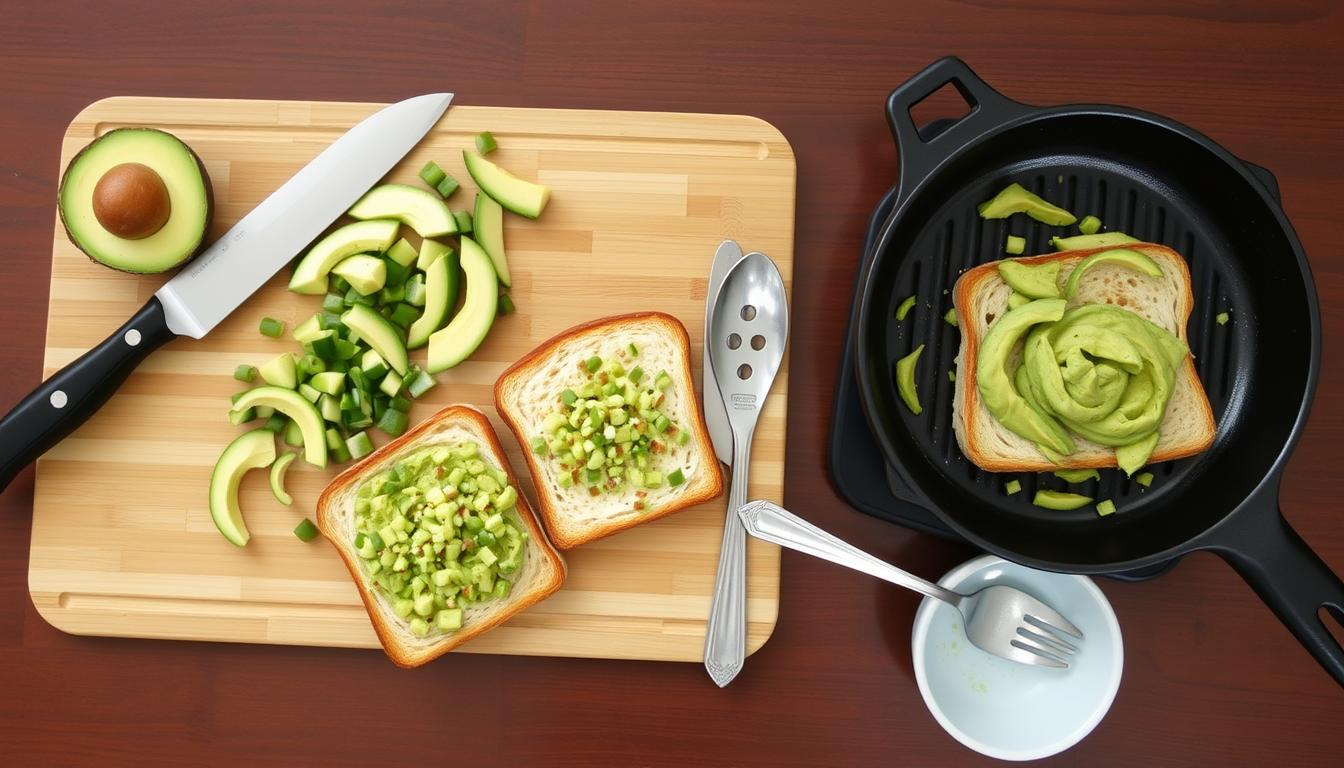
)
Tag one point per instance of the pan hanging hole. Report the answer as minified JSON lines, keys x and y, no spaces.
{"x":748,"y":313}
{"x":744,"y":371}
{"x":758,"y":342}
{"x":734,"y":341}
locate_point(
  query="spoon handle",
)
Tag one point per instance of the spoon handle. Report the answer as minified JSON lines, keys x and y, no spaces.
{"x":772,"y":523}
{"x":726,"y":632}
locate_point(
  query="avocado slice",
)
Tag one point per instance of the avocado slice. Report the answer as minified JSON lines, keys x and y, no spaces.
{"x":366,"y":274}
{"x":1015,"y":198}
{"x":1091,"y":241}
{"x":454,"y":343}
{"x":379,"y":334}
{"x":905,"y":380}
{"x":997,"y":390}
{"x":277,"y":477}
{"x":522,"y":197}
{"x":488,"y":224}
{"x":295,"y":406}
{"x":441,"y":286}
{"x":136,"y":200}
{"x":310,"y":277}
{"x":1125,"y":257}
{"x":250,"y":450}
{"x":422,"y":211}
{"x":1035,"y":282}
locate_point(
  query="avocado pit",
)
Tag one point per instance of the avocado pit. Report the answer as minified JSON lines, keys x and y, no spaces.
{"x":131,"y":201}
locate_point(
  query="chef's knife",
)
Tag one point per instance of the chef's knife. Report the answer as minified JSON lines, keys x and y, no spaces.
{"x":216,"y":282}
{"x":716,"y":417}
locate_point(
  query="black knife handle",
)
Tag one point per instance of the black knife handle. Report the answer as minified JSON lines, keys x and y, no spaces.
{"x":70,"y":397}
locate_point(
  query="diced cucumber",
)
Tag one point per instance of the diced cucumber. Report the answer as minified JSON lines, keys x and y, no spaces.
{"x":237,"y":418}
{"x":293,"y":434}
{"x":391,"y":384}
{"x":275,"y":423}
{"x":415,"y":291}
{"x":418,"y":383}
{"x":359,"y":445}
{"x":403,"y":315}
{"x":446,"y":188}
{"x":245,"y":373}
{"x":432,"y":174}
{"x":330,"y":408}
{"x":323,"y":345}
{"x":309,"y":392}
{"x":305,"y":530}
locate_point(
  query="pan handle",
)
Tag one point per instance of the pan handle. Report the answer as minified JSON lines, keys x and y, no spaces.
{"x":919,"y":157}
{"x":1292,"y":580}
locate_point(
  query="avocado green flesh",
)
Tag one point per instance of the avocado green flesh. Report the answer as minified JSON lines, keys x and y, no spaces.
{"x":1015,"y":198}
{"x":905,"y":380}
{"x":1124,"y":257}
{"x":379,"y":334}
{"x":1016,"y":300}
{"x":1105,"y":239}
{"x":489,"y":234}
{"x":522,"y":197}
{"x":1060,"y":500}
{"x":250,"y":450}
{"x":310,"y":277}
{"x":454,"y":343}
{"x":996,"y":388}
{"x":296,"y":407}
{"x":366,"y":274}
{"x":1039,"y":281}
{"x":189,"y":198}
{"x":419,"y":209}
{"x":438,"y":532}
{"x":440,"y":295}
{"x":277,"y":478}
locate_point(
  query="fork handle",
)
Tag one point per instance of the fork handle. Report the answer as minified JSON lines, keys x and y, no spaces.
{"x":772,"y":523}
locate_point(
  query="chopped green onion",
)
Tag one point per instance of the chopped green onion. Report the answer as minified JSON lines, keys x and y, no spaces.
{"x":359,"y":445}
{"x":951,"y":375}
{"x":272,"y":327}
{"x":432,"y":174}
{"x":447,"y":187}
{"x":400,"y":403}
{"x":505,"y":304}
{"x":245,"y":372}
{"x":419,"y":384}
{"x":305,"y":530}
{"x":485,"y":142}
{"x":1144,"y":478}
{"x":463,"y":219}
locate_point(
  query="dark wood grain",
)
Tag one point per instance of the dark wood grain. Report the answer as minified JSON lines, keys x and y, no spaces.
{"x":1210,"y":678}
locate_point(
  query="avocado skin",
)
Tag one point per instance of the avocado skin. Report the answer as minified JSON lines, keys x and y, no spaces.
{"x":205,"y":179}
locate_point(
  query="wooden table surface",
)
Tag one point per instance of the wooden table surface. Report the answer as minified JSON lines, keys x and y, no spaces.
{"x":1211,"y":677}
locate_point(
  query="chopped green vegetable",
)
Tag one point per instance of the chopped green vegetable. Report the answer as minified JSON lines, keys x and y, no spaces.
{"x":1090,"y":225}
{"x":1105,"y":507}
{"x":1144,"y":478}
{"x":447,"y":187}
{"x":359,"y":445}
{"x":1222,"y":317}
{"x":393,"y":422}
{"x":463,"y":222}
{"x":432,"y":174}
{"x":904,"y":307}
{"x":305,"y":530}
{"x":1012,"y":486}
{"x":418,"y":383}
{"x":272,"y":327}
{"x":1077,"y":475}
{"x":951,"y":375}
{"x":245,"y":372}
{"x":505,"y":306}
{"x":951,"y":317}
{"x":485,"y":142}
{"x":1015,"y":245}
{"x":905,"y":380}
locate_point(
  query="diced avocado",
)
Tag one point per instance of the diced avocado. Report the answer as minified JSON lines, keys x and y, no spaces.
{"x":1090,"y":225}
{"x":455,"y":342}
{"x":1012,"y":486}
{"x":379,"y":334}
{"x":1105,"y":507}
{"x":441,"y":287}
{"x":1060,"y":500}
{"x":464,"y":223}
{"x":1015,"y":245}
{"x":951,"y":317}
{"x":359,"y":445}
{"x":1015,"y":198}
{"x":136,"y":200}
{"x":419,"y":209}
{"x":1077,"y":475}
{"x":1132,"y":457}
{"x":402,"y":252}
{"x":905,"y":380}
{"x":522,"y":197}
{"x":277,"y":477}
{"x":329,"y":382}
{"x":280,"y":372}
{"x":1144,"y":479}
{"x":489,"y":234}
{"x":1103,"y":240}
{"x":310,"y":277}
{"x":1124,"y":257}
{"x":905,"y":306}
{"x":1038,"y":281}
{"x":250,"y":450}
{"x":1222,"y":317}
{"x":365,"y":273}
{"x":293,"y":405}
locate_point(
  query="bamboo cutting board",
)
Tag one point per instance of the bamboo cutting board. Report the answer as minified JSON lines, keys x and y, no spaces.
{"x":122,"y":539}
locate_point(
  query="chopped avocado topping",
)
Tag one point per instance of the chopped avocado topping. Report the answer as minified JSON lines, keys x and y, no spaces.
{"x":437,"y":532}
{"x":1077,"y":475}
{"x":951,"y":317}
{"x":1144,"y":479}
{"x":379,"y":334}
{"x":1133,"y":456}
{"x":1015,"y":198}
{"x":905,"y":380}
{"x":1090,"y":225}
{"x":432,"y":174}
{"x":1040,"y":281}
{"x":278,"y":470}
{"x":485,"y":142}
{"x":905,"y":307}
{"x":1105,"y":507}
{"x":1015,"y":245}
{"x":1060,"y":500}
{"x":1103,"y":240}
{"x":609,"y":430}
{"x":1222,"y":317}
{"x":1012,"y":486}
{"x":269,"y":326}
{"x":1124,"y":257}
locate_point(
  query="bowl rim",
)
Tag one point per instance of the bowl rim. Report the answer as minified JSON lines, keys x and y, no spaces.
{"x":918,"y":640}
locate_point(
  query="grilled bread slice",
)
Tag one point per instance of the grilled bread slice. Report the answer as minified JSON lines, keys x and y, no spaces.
{"x":981,"y":295}
{"x":542,"y":571}
{"x":529,"y":390}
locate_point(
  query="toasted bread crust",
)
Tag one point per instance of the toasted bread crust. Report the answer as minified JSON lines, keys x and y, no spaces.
{"x":963,"y":293}
{"x":710,"y":484}
{"x":479,"y":425}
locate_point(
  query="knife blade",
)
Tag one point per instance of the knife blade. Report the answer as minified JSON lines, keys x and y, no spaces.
{"x":726,"y":257}
{"x":221,"y":278}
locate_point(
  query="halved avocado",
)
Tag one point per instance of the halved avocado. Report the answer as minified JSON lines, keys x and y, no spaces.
{"x":423,"y":211}
{"x":136,"y":200}
{"x":250,"y":450}
{"x":293,"y":405}
{"x":489,"y":226}
{"x":454,"y":343}
{"x":379,"y":334}
{"x":522,"y":197}
{"x":311,"y":275}
{"x":441,"y":285}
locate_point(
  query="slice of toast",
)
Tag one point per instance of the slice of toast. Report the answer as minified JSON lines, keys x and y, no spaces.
{"x":530,"y":389}
{"x":981,"y":295}
{"x":541,"y":574}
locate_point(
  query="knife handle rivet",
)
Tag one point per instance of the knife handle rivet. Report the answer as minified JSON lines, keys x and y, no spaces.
{"x":58,"y":399}
{"x":132,"y":338}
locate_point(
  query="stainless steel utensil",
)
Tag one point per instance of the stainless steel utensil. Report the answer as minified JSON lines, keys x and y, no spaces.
{"x":748,"y":330}
{"x":716,"y":418}
{"x":221,"y":278}
{"x":1001,"y":620}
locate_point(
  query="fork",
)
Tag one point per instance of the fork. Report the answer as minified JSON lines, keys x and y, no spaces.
{"x":1001,"y":620}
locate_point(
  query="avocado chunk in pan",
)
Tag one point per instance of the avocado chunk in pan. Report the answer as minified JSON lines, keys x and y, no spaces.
{"x":137,"y":200}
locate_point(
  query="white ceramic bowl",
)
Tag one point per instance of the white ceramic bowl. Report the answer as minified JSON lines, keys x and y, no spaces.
{"x":1007,"y":710}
